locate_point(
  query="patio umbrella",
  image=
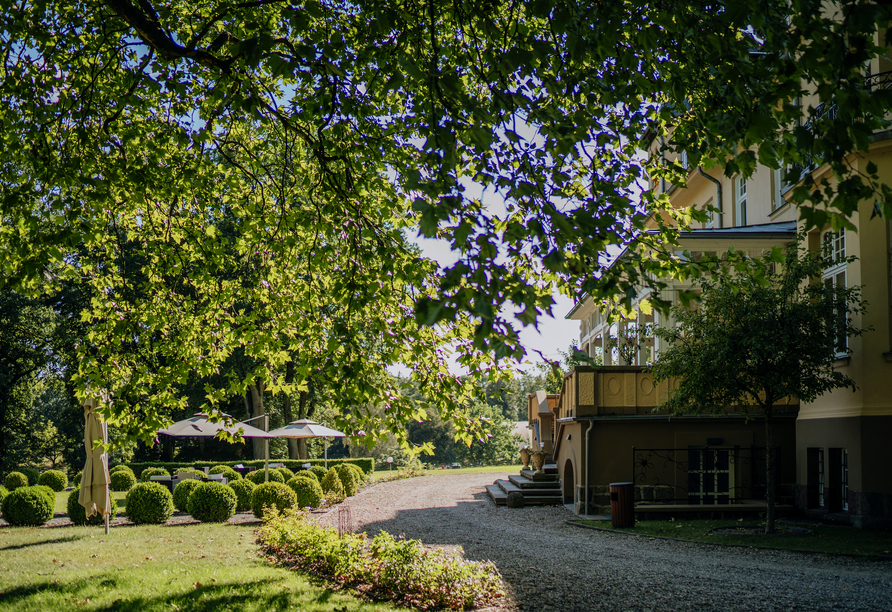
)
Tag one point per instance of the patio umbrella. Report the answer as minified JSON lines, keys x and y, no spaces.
{"x":200,"y":427}
{"x":94,"y":494}
{"x":306,"y":428}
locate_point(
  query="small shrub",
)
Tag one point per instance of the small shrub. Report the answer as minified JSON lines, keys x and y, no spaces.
{"x":212,"y":502}
{"x":149,"y":502}
{"x":310,"y":474}
{"x":181,"y":493}
{"x":78,"y":514}
{"x":286,"y":473}
{"x":121,"y":468}
{"x":227,"y":472}
{"x":348,"y":479}
{"x":243,"y":489}
{"x":32,"y":474}
{"x":76,"y":481}
{"x":50,"y":494}
{"x":122,"y":480}
{"x":307,"y":490}
{"x":152,"y":471}
{"x":28,"y":506}
{"x":14,"y":480}
{"x":54,"y":479}
{"x":319,"y":472}
{"x":333,"y":486}
{"x":276,"y":495}
{"x":3,"y":493}
{"x":257,"y":476}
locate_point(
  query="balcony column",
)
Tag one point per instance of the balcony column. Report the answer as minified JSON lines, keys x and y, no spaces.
{"x":642,"y":340}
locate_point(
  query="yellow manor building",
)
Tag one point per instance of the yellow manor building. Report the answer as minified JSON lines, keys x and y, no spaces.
{"x":834,"y":453}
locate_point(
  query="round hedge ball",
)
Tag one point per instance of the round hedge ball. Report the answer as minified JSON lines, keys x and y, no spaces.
{"x":32,"y":474}
{"x":122,"y":480}
{"x":319,"y":471}
{"x":77,"y":514}
{"x":153,"y":471}
{"x":121,"y":467}
{"x":149,"y":502}
{"x":228,"y":473}
{"x":357,"y":471}
{"x":257,"y":476}
{"x":272,"y":494}
{"x":286,"y":473}
{"x":212,"y":502}
{"x":54,"y":479}
{"x":307,"y":490}
{"x":332,"y":485}
{"x":14,"y":480}
{"x":243,"y":489}
{"x":50,"y":494}
{"x":27,"y":506}
{"x":181,"y":493}
{"x":310,"y":474}
{"x":3,"y":493}
{"x":76,"y":481}
{"x":348,"y":479}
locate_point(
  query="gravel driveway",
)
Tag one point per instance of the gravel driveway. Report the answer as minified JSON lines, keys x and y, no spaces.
{"x":549,"y":565}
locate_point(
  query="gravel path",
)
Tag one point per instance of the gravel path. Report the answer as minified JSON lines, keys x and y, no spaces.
{"x":549,"y":565}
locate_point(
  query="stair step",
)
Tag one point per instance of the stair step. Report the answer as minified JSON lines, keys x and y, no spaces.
{"x":507,"y":486}
{"x":497,"y":494}
{"x":528,"y":483}
{"x":532,"y":475}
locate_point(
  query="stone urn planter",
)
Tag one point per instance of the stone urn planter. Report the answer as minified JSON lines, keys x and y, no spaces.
{"x":525,"y":458}
{"x":538,"y":458}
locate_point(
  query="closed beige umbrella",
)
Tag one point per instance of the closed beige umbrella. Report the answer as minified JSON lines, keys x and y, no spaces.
{"x":95,"y":495}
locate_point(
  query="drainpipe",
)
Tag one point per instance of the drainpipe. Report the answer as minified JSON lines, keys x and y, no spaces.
{"x":587,"y":495}
{"x":718,"y":194}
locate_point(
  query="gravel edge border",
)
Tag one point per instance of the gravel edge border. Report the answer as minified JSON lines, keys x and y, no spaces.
{"x":864,"y":556}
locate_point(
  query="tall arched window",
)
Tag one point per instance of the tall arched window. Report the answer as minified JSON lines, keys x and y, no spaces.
{"x":833,"y":245}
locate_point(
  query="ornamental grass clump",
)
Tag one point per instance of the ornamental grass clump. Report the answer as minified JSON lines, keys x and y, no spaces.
{"x":212,"y":502}
{"x":28,"y":506}
{"x":228,"y":473}
{"x":77,"y":514}
{"x":122,"y":480}
{"x":54,"y":479}
{"x":308,"y":491}
{"x":149,"y":502}
{"x":332,"y":486}
{"x":14,"y":480}
{"x":181,"y":493}
{"x":385,"y":568}
{"x":271,"y":495}
{"x":243,"y":490}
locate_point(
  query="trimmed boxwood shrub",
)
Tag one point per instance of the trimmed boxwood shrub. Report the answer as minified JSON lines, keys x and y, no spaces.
{"x":32,"y":474}
{"x":153,"y":471}
{"x":307,"y":490}
{"x":50,"y":494}
{"x":121,"y":467}
{"x":122,"y":480}
{"x":54,"y":479}
{"x":149,"y":502}
{"x":348,"y":479}
{"x":286,"y":473}
{"x":310,"y":474}
{"x":272,"y":494}
{"x":332,"y":485}
{"x":181,"y":493}
{"x":357,"y":471}
{"x":78,"y":514}
{"x":227,"y":472}
{"x":76,"y":481}
{"x":319,"y":471}
{"x":212,"y":502}
{"x":257,"y":476}
{"x":14,"y":480}
{"x":27,"y":506}
{"x":243,"y":489}
{"x":3,"y":493}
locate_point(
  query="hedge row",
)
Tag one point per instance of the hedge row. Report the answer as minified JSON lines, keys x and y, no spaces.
{"x":366,"y":464}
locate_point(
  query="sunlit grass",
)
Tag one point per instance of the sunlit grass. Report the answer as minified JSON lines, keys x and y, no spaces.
{"x":145,"y":568}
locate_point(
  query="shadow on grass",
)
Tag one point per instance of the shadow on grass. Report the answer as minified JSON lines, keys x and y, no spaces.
{"x":59,"y":540}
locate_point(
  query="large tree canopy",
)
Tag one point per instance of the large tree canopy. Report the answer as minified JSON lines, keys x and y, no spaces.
{"x":165,"y":153}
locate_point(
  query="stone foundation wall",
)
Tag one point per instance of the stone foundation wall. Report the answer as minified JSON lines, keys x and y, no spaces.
{"x":866,"y":510}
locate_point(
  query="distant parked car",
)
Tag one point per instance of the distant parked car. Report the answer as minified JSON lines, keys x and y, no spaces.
{"x":455,"y":466}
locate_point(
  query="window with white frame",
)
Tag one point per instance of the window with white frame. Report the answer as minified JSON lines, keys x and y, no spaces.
{"x":683,"y":159}
{"x":833,"y":246}
{"x":777,"y":186}
{"x":740,"y":200}
{"x":710,"y":215}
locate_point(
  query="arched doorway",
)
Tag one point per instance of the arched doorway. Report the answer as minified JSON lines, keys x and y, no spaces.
{"x":569,"y":483}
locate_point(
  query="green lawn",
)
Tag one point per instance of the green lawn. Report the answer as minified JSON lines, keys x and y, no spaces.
{"x":509,"y":469}
{"x":830,"y":539}
{"x":146,"y":568}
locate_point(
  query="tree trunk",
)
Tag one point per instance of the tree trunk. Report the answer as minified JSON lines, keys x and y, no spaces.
{"x":257,"y":401}
{"x":286,"y":410}
{"x":304,"y":410}
{"x":770,"y":462}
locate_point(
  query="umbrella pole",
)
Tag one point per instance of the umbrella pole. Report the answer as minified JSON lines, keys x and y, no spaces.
{"x":266,"y":468}
{"x":326,"y":452}
{"x":106,"y":524}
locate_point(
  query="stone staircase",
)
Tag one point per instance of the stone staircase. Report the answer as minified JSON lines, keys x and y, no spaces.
{"x":537,"y":489}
